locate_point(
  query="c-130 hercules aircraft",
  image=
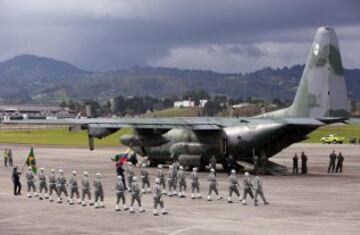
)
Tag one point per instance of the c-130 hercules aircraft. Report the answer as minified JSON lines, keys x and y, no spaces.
{"x":321,"y":99}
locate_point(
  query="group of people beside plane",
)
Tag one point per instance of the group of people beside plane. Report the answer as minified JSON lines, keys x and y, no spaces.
{"x":172,"y":183}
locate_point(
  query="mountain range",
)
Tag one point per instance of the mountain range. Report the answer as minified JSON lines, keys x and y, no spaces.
{"x":33,"y":79}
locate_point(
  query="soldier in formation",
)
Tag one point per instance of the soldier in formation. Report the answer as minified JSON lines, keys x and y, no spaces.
{"x":195,"y":184}
{"x":171,"y":181}
{"x":131,"y":174}
{"x":30,"y":179}
{"x":248,"y":186}
{"x":182,"y":182}
{"x":233,"y":186}
{"x":43,"y":184}
{"x":157,"y":199}
{"x":52,"y":185}
{"x":98,"y":192}
{"x":120,"y":193}
{"x":85,"y":189}
{"x":61,"y":184}
{"x":258,"y":189}
{"x":135,"y":196}
{"x":213,"y":185}
{"x":74,"y":189}
{"x":145,"y":186}
{"x":161,"y":176}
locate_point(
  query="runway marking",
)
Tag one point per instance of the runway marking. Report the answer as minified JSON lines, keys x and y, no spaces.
{"x":187,"y":229}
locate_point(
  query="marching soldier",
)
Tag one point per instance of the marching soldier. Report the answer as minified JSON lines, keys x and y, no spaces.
{"x":131,"y":174}
{"x":233,"y":186}
{"x":135,"y":196}
{"x":258,"y":189}
{"x":74,"y":189}
{"x":339,"y":164}
{"x":157,"y":199}
{"x":195,"y":184}
{"x":295,"y":164}
{"x":43,"y":184}
{"x":247,"y":184}
{"x":171,"y":181}
{"x":145,"y":187}
{"x":160,"y":175}
{"x":61,"y":183}
{"x":213,"y":185}
{"x":52,"y":184}
{"x":85,"y":189}
{"x":98,"y":192}
{"x":182,"y":182}
{"x":332,"y":160}
{"x":30,"y":183}
{"x":120,"y":193}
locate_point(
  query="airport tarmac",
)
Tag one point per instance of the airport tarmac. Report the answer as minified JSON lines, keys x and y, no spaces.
{"x":317,"y":203}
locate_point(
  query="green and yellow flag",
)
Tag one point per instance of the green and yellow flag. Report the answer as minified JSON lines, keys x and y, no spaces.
{"x":30,"y":161}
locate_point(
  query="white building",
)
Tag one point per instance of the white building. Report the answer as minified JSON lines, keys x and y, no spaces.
{"x":202,"y":103}
{"x":184,"y":104}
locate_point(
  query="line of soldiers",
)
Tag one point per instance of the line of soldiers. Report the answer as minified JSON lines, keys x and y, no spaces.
{"x":337,"y":160}
{"x":304,"y":159}
{"x":8,"y":158}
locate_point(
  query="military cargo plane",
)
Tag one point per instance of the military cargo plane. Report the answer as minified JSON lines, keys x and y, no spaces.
{"x":321,"y":99}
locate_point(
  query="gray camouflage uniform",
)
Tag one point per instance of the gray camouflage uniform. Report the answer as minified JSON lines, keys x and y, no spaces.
{"x":212,"y":184}
{"x":30,"y":179}
{"x":131,"y":174}
{"x":135,"y":194}
{"x":120,"y":192}
{"x":172,"y":180}
{"x":42,"y":183}
{"x":74,"y":188}
{"x":52,"y":184}
{"x":145,"y":179}
{"x":85,"y":188}
{"x":233,"y":186}
{"x":98,"y":190}
{"x":181,"y":180}
{"x":61,"y":183}
{"x":157,"y":197}
{"x":247,"y":184}
{"x":258,"y":189}
{"x":195,"y":185}
{"x":161,"y":176}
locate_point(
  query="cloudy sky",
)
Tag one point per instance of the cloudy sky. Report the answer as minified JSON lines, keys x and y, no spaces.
{"x":220,"y":35}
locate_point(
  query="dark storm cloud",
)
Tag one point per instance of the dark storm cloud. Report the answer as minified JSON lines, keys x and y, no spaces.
{"x":111,"y":34}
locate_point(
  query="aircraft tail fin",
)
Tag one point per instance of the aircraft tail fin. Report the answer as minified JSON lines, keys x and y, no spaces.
{"x":322,"y":91}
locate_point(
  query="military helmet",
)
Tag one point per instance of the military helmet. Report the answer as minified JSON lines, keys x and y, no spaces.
{"x":212,"y":170}
{"x":61,"y":171}
{"x":74,"y":172}
{"x":246,"y":174}
{"x":143,"y":165}
{"x":119,"y":177}
{"x":181,"y":168}
{"x":29,"y":168}
{"x":194,"y":169}
{"x":160,"y":166}
{"x":98,"y":175}
{"x":52,"y":170}
{"x":233,"y":171}
{"x":42,"y":169}
{"x":85,"y":173}
{"x":157,"y":181}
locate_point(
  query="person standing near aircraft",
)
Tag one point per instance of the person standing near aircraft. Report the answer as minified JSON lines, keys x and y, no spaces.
{"x":10,"y":157}
{"x":304,"y":168}
{"x":339,"y":164}
{"x":16,"y":181}
{"x":157,"y":199}
{"x":295,"y":164}
{"x":195,"y":184}
{"x":30,"y":183}
{"x":52,"y":184}
{"x":6,"y":158}
{"x":213,"y":186}
{"x":43,"y":184}
{"x":233,"y":186}
{"x":85,"y":189}
{"x":120,"y":193}
{"x":332,"y":160}
{"x":258,"y":189}
{"x":182,"y":182}
{"x":248,"y":186}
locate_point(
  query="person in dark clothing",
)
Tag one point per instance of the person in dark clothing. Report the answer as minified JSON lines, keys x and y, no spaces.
{"x":133,"y":159}
{"x":304,"y":159}
{"x":231,"y":164}
{"x":295,"y":164}
{"x":120,"y":171}
{"x":16,"y":181}
{"x":332,"y":158}
{"x":339,"y":164}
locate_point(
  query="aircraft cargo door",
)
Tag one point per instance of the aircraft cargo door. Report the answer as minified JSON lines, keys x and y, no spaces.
{"x":224,"y":146}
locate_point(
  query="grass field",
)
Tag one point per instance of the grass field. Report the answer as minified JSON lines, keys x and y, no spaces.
{"x":178,"y":112}
{"x":64,"y":137}
{"x":58,"y":137}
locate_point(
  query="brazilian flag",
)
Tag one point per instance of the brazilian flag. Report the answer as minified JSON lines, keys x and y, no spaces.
{"x":30,"y":161}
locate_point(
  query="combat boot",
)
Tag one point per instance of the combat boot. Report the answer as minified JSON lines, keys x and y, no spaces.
{"x":164,"y":212}
{"x":117,"y":208}
{"x":141,"y":210}
{"x":155,"y":213}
